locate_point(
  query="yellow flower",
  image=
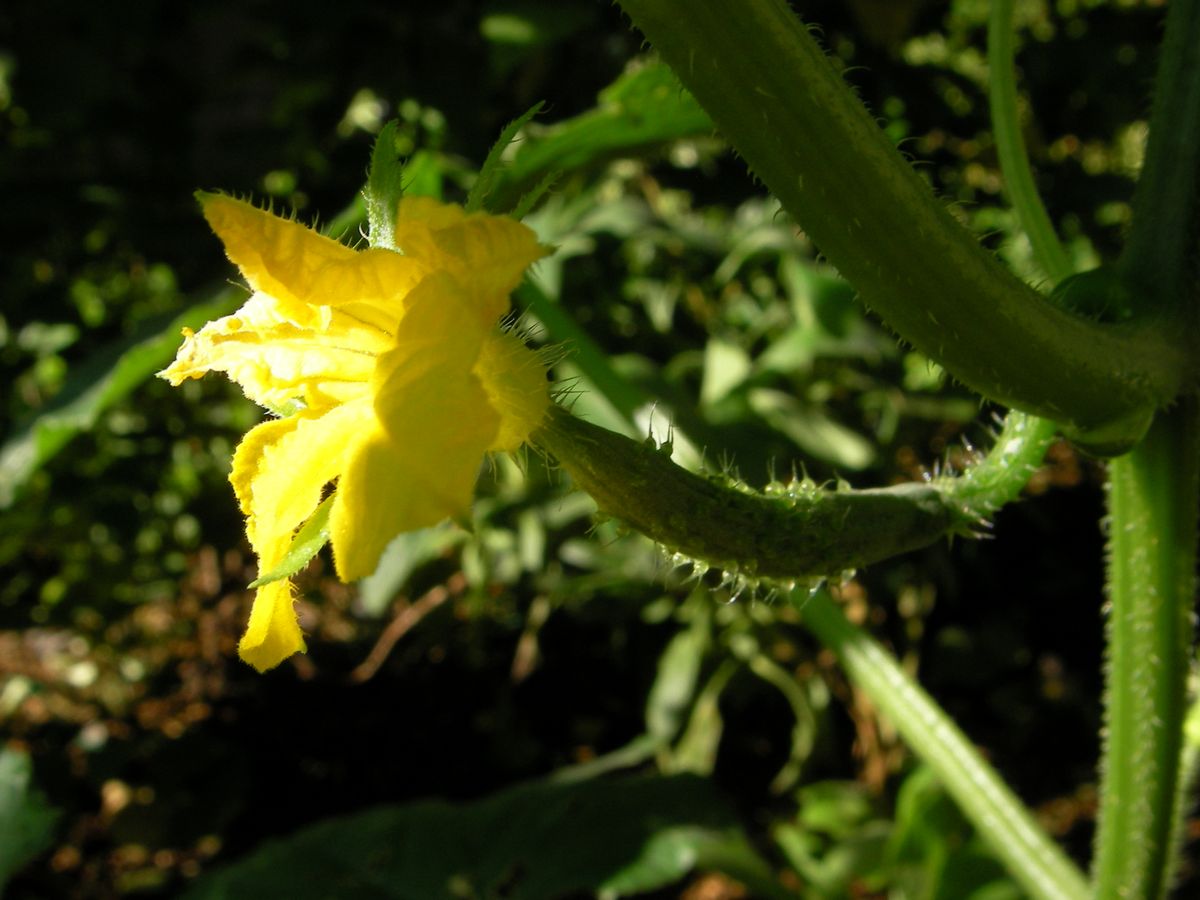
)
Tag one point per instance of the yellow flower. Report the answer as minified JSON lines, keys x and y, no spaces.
{"x":390,"y":371}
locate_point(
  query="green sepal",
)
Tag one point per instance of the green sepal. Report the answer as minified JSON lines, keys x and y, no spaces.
{"x":311,"y":537}
{"x":530,"y":198}
{"x":385,"y":187}
{"x":490,"y":170}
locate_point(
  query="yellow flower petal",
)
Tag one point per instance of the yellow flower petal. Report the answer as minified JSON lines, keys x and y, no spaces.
{"x":515,"y":380}
{"x":273,"y":632}
{"x":249,"y":456}
{"x":489,"y":254}
{"x":389,"y":488}
{"x":298,"y":266}
{"x":435,"y":424}
{"x":438,"y":338}
{"x":281,"y":467}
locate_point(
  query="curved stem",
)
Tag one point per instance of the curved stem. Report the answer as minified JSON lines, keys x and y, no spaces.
{"x":1010,"y":146}
{"x":1152,"y":498}
{"x":773,"y":93}
{"x":798,"y":532}
{"x":997,"y":479}
{"x":999,"y":816}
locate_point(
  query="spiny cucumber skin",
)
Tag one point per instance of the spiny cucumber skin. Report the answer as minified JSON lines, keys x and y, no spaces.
{"x":801,"y":533}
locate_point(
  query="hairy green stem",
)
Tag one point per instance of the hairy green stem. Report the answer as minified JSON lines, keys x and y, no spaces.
{"x":796,"y":530}
{"x":776,"y":97}
{"x":999,"y":816}
{"x":803,"y":532}
{"x":1154,"y":493}
{"x":998,"y":478}
{"x":1019,"y":185}
{"x":1153,"y":496}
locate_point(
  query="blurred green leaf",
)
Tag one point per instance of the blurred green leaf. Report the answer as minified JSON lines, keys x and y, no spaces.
{"x":726,"y":365}
{"x":696,"y":750}
{"x":678,"y":674}
{"x":26,"y":819}
{"x":932,"y":850}
{"x":95,"y":385}
{"x":836,"y":841}
{"x":423,"y":175}
{"x":644,"y":108}
{"x":541,"y":840}
{"x":403,"y":556}
{"x":811,"y":430}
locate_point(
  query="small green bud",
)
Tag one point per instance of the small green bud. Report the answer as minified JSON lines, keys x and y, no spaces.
{"x":385,"y":187}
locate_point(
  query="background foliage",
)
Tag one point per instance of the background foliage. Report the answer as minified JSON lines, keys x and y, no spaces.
{"x":140,"y":752}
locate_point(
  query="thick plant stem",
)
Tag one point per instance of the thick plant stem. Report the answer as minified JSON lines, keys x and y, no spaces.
{"x":1032,"y":858}
{"x":1153,"y":496}
{"x":1166,"y":209}
{"x":776,"y":97}
{"x":1154,"y":493}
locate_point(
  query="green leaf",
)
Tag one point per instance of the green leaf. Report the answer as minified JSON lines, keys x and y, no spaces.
{"x":645,"y":108}
{"x":98,"y":383}
{"x":26,"y":819}
{"x":696,"y":750}
{"x":311,"y":537}
{"x":678,"y":675}
{"x":541,"y":840}
{"x":726,"y":366}
{"x":423,"y":175}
